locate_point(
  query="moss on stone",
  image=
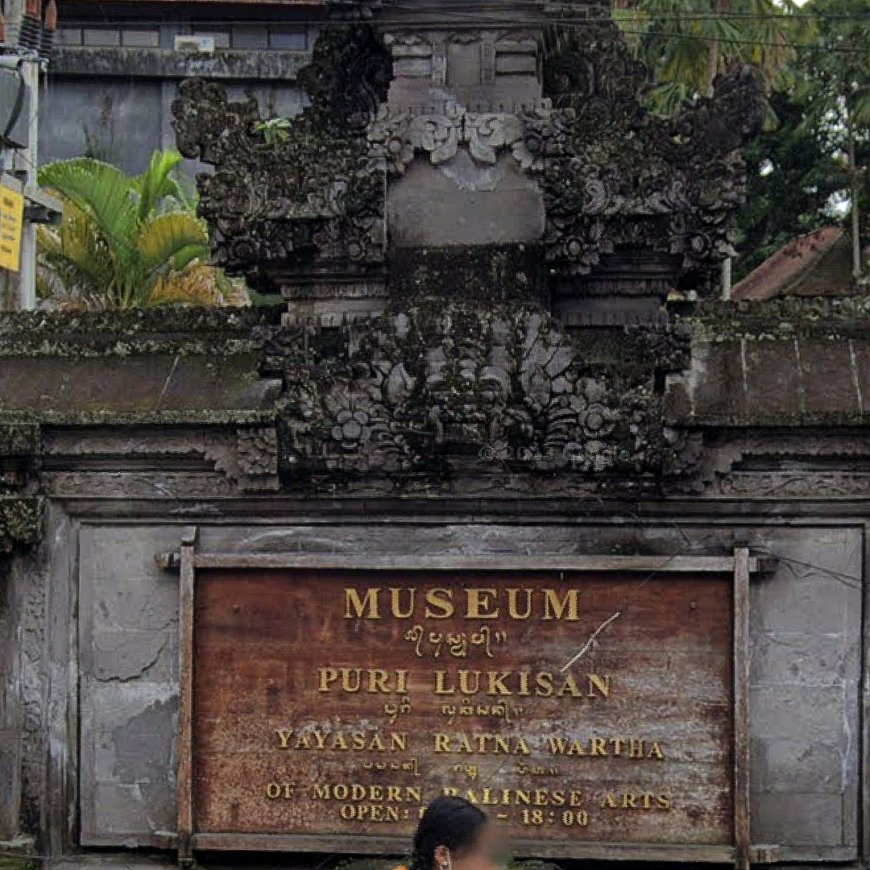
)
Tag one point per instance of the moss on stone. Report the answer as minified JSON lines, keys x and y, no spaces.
{"x":19,"y":439}
{"x":20,"y":522}
{"x":492,"y":273}
{"x":170,"y":329}
{"x":108,"y":417}
{"x":779,"y":319}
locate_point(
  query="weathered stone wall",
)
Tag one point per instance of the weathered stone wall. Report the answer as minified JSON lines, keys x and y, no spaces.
{"x":806,"y":627}
{"x":141,"y":425}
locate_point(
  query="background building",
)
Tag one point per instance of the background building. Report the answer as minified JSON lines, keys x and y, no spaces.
{"x":118,"y":64}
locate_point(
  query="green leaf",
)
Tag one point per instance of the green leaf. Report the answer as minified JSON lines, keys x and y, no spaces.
{"x":102,"y":191}
{"x":167,"y":238}
{"x":157,"y":182}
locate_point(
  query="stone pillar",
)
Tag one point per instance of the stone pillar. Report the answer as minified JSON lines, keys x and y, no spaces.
{"x":464,"y":76}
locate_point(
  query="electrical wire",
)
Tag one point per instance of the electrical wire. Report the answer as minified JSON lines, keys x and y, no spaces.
{"x":568,"y":23}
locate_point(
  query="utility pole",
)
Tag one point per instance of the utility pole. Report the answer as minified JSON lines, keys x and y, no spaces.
{"x":25,"y":46}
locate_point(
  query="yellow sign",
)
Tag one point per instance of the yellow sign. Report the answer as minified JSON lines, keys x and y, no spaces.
{"x":11,"y":221}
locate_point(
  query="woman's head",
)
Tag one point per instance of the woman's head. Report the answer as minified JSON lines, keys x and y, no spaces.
{"x":453,"y":834}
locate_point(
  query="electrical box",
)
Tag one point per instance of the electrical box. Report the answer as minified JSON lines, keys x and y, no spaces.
{"x":195,"y":44}
{"x":14,"y":109}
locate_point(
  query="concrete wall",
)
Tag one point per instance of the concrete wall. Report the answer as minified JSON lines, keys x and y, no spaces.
{"x":110,"y":89}
{"x":806,"y":651}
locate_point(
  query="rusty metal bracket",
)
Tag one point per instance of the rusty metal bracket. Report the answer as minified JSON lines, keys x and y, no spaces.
{"x":764,"y":853}
{"x":168,"y":561}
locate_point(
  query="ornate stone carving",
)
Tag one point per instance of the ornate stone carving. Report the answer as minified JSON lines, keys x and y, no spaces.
{"x":347,"y":78}
{"x":33,"y":678}
{"x":794,"y":485}
{"x":257,"y":458}
{"x":21,"y":509}
{"x":307,"y":197}
{"x":417,"y":389}
{"x":616,"y":179}
{"x":20,"y":522}
{"x":396,"y":135}
{"x":615,"y":176}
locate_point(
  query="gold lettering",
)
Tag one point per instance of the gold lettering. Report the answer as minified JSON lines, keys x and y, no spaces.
{"x":284,"y":737}
{"x":601,"y":685}
{"x":442,"y":686}
{"x":555,"y":608}
{"x":375,"y":793}
{"x":570,"y":687}
{"x":351,"y":680}
{"x":480,"y":603}
{"x":363,"y":608}
{"x":501,"y":744}
{"x":466,"y":685}
{"x":513,"y":608}
{"x":395,"y":602}
{"x":599,"y":747}
{"x":327,"y":677}
{"x":495,"y":682}
{"x":439,"y":603}
{"x":379,"y":681}
{"x":544,"y":684}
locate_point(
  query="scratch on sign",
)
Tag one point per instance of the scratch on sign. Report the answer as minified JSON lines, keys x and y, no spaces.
{"x":591,"y":642}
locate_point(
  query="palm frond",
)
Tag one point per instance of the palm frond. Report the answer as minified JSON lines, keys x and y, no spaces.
{"x":158,"y":182}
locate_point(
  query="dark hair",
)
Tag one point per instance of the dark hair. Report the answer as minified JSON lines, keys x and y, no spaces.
{"x":448,"y":821}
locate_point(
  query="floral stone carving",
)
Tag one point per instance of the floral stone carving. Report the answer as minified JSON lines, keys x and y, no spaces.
{"x":396,"y":136}
{"x":617,"y":177}
{"x":416,"y":389}
{"x":308,"y":198}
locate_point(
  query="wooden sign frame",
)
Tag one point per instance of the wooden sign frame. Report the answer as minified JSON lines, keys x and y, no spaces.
{"x":741,"y":565}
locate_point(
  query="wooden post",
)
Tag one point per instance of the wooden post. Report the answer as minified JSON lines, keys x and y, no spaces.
{"x":742,"y":833}
{"x":185,"y":715}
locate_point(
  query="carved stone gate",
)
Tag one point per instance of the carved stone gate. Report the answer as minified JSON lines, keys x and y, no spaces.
{"x":500,"y":353}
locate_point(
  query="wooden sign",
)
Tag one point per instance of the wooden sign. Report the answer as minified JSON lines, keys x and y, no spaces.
{"x":578,"y":708}
{"x":11,"y":222}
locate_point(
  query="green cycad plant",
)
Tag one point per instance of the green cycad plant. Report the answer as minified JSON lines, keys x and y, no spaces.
{"x":125,"y":241}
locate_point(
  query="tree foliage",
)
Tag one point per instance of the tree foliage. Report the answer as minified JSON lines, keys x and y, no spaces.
{"x":815,"y":60}
{"x":687,"y":43}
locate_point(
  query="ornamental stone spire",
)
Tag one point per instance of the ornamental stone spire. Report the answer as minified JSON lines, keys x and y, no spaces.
{"x":474,"y":150}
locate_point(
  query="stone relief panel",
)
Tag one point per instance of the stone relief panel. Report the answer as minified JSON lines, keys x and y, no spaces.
{"x":429,"y":385}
